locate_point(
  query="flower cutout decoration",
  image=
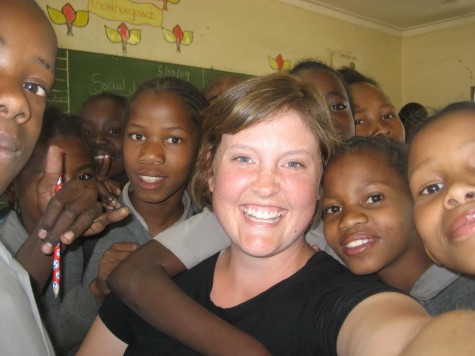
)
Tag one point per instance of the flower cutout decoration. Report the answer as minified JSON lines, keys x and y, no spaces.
{"x":124,"y":36}
{"x":69,"y":17}
{"x":279,"y":63}
{"x":165,"y":3}
{"x":178,"y":36}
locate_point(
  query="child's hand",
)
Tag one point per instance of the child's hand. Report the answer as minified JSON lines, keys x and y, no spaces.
{"x":108,"y":189}
{"x":68,"y":212}
{"x":109,"y":260}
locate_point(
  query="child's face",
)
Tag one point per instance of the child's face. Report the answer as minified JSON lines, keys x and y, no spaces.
{"x":77,"y":165}
{"x":442,"y":182}
{"x":160,"y":146}
{"x":337,"y":99}
{"x":103,"y":123}
{"x":367,"y":216}
{"x":27,"y":58}
{"x":374,"y":113}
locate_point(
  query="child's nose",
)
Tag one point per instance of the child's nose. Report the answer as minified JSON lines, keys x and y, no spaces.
{"x":13,"y":101}
{"x":152,"y":153}
{"x":352,"y":216}
{"x":458,"y":193}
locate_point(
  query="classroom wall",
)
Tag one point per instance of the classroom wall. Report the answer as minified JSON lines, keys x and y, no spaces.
{"x":439,"y":67}
{"x":239,"y":36}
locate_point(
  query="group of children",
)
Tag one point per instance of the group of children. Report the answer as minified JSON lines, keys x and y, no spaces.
{"x":403,"y":216}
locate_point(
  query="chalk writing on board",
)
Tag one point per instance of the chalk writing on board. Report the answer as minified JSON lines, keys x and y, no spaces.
{"x":120,"y":85}
{"x":168,"y":71}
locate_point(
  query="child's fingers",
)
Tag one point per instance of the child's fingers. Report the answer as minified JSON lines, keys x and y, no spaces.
{"x":105,"y":219}
{"x":46,"y":186}
{"x":103,"y":168}
{"x":109,"y":199}
{"x":75,"y":199}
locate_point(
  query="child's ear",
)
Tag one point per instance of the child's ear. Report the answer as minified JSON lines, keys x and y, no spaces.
{"x":431,"y":256}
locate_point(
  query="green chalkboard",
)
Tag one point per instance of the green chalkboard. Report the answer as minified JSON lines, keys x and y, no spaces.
{"x":82,"y":74}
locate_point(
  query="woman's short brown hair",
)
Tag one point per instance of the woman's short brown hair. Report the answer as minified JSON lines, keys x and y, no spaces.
{"x":250,"y":103}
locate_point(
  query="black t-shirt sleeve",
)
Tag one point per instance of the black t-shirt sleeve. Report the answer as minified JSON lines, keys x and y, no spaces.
{"x":116,"y":317}
{"x":343,"y":294}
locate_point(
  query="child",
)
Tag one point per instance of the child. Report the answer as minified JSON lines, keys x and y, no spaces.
{"x":442,"y":182}
{"x":63,"y":131}
{"x":103,"y":124}
{"x":367,"y":215}
{"x":162,"y":136}
{"x":27,"y":58}
{"x":373,"y":111}
{"x":331,"y":83}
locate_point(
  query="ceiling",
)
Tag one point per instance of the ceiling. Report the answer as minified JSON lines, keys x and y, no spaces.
{"x":396,"y":15}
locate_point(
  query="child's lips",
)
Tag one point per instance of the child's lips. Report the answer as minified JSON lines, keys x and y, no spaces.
{"x":462,"y":226}
{"x":357,"y":243}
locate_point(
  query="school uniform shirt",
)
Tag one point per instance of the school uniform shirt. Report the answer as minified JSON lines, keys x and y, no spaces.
{"x":301,"y":315}
{"x":54,"y":311}
{"x":439,"y":290}
{"x":21,"y":328}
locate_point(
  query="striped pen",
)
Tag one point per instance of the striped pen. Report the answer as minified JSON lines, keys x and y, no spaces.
{"x":57,"y":249}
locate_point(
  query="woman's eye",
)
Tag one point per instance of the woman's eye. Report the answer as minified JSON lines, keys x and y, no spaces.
{"x":137,"y":137}
{"x":85,"y":176}
{"x":331,"y":210}
{"x":36,"y":89}
{"x":243,"y":159}
{"x":338,"y":107}
{"x":431,"y":189}
{"x":375,"y":198}
{"x":294,"y":164}
{"x":389,"y":116}
{"x":174,"y":140}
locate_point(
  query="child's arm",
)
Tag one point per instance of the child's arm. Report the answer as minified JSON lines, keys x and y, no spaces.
{"x":145,"y":274}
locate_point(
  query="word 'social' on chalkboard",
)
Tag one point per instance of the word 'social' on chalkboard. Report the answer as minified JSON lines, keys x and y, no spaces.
{"x":82,"y":74}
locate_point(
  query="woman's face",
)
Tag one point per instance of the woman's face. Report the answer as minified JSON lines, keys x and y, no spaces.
{"x":265,"y":184}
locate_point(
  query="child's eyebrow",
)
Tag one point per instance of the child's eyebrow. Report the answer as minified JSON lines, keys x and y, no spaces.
{"x":43,"y":62}
{"x":334,"y":93}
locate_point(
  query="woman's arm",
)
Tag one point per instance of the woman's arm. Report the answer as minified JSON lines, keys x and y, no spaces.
{"x":394,"y":324}
{"x":145,"y":274}
{"x":100,"y":341}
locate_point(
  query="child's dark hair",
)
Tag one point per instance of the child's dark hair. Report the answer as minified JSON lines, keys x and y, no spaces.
{"x":312,"y":64}
{"x":116,"y":98}
{"x":58,"y":123}
{"x":395,"y":152}
{"x":190,"y":95}
{"x":352,"y":76}
{"x":449,"y":109}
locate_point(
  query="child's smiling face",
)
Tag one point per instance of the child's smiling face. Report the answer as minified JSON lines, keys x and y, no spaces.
{"x":367,"y":212}
{"x":160,"y":146}
{"x":27,"y":58}
{"x":442,"y":182}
